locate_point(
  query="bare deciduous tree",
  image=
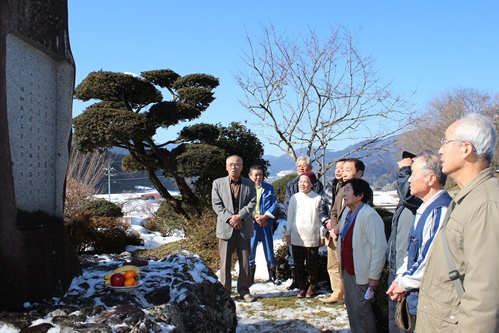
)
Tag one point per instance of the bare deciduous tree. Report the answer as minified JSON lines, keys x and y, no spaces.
{"x":314,"y":94}
{"x":84,"y":173}
{"x":428,"y":128}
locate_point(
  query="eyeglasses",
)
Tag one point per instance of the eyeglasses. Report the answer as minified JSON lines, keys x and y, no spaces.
{"x":445,"y":141}
{"x":233,"y":165}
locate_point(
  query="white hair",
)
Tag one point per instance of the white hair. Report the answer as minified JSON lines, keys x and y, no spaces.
{"x":303,"y":158}
{"x":481,"y":132}
{"x":236,"y":156}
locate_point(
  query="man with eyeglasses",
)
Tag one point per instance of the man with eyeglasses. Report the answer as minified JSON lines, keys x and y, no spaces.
{"x":234,"y":200}
{"x":460,"y":286}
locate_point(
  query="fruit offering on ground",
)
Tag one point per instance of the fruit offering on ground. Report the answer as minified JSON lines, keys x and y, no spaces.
{"x":118,"y":280}
{"x":126,"y":268}
{"x":107,"y":278}
{"x":129,"y":272}
{"x":130,"y":282}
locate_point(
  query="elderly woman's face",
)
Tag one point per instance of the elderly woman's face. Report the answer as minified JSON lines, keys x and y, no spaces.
{"x":304,"y":184}
{"x":351,"y":200}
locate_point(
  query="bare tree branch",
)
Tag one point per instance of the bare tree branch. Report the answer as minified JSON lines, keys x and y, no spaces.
{"x":317,"y":94}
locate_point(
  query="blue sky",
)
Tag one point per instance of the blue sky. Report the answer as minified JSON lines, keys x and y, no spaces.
{"x":423,"y":46}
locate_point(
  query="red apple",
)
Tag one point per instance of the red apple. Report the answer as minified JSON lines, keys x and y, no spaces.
{"x":117,"y":280}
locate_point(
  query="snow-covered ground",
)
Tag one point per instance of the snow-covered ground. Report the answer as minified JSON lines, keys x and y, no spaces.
{"x":251,"y":318}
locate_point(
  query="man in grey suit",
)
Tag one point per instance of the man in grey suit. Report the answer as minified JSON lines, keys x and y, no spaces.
{"x":234,"y":199}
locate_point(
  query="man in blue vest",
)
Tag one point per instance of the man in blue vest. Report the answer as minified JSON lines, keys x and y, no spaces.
{"x":427,"y":183}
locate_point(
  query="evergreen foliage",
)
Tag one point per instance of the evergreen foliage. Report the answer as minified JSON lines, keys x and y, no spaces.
{"x":280,"y":186}
{"x":104,"y":208}
{"x":131,"y":110}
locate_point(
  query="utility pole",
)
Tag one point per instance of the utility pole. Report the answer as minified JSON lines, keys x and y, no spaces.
{"x":109,"y":169}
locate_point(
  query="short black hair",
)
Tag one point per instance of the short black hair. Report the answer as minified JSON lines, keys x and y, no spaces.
{"x":360,"y":186}
{"x":359,"y":165}
{"x":255,"y":167}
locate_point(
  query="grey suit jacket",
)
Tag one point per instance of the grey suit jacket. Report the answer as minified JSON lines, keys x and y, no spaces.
{"x":221,"y":200}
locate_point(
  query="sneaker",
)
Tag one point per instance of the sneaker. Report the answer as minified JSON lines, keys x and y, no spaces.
{"x":310,"y":293}
{"x":302,"y":293}
{"x":248,"y":298}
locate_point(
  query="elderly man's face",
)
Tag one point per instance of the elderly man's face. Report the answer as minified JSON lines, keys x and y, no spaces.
{"x":419,"y":179}
{"x":234,"y":167}
{"x":302,"y":167}
{"x":451,"y":152}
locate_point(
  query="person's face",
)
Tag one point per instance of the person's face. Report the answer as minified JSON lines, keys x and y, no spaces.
{"x":234,"y":167}
{"x":350,"y":199}
{"x":419,"y":179}
{"x":304,"y":184}
{"x":350,"y":172}
{"x":338,"y":171}
{"x":302,"y":167}
{"x":256,"y":176}
{"x":450,"y":152}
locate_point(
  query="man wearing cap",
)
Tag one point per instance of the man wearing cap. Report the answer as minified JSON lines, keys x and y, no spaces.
{"x":303,"y":233}
{"x":402,"y":220}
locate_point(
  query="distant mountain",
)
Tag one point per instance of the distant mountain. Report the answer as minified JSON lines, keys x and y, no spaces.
{"x":381,"y":169}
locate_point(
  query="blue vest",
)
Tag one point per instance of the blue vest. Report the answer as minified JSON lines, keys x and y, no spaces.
{"x":416,"y":240}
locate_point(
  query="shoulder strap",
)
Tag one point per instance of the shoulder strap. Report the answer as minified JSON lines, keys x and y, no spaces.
{"x":454,"y":275}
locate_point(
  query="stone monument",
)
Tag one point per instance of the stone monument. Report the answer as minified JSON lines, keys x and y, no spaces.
{"x":36,"y":91}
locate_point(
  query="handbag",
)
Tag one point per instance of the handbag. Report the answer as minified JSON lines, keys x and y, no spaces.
{"x":403,"y":317}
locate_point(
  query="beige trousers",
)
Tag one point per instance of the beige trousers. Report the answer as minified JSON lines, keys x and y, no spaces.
{"x":333,"y":267}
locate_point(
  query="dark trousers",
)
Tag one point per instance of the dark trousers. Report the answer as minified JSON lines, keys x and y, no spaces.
{"x":359,"y":310}
{"x":310,"y":255}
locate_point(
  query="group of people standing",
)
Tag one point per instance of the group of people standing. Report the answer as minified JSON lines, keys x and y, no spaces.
{"x":440,"y":251}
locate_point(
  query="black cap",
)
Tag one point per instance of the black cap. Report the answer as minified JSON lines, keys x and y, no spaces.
{"x":407,"y":154}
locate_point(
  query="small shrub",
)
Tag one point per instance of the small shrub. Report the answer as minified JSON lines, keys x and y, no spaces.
{"x":110,"y":235}
{"x":284,"y":270}
{"x":200,"y":235}
{"x":380,"y":306}
{"x":386,"y":216}
{"x":90,"y":234}
{"x":280,"y":186}
{"x":104,"y":208}
{"x":166,"y":220}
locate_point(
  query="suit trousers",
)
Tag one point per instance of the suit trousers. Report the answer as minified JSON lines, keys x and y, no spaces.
{"x":226,"y":248}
